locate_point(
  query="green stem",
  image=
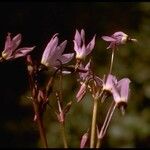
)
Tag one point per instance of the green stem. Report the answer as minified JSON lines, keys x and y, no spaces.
{"x":93,"y":127}
{"x":63,"y":135}
{"x":40,"y":125}
{"x":105,"y":124}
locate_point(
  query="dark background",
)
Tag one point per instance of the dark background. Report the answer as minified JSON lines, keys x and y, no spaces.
{"x":37,"y":22}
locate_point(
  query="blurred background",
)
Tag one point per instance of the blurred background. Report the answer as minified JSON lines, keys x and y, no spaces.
{"x":37,"y":22}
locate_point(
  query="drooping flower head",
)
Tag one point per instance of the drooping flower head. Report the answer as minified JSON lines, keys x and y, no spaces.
{"x":79,"y":45}
{"x":117,"y":38}
{"x":10,"y":50}
{"x":121,"y":91}
{"x":52,"y":56}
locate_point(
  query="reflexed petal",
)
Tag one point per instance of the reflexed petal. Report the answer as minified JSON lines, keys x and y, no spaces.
{"x":22,"y":51}
{"x":110,"y":82}
{"x":108,"y":39}
{"x":16,"y":41}
{"x":50,"y":48}
{"x":76,"y":48}
{"x":59,"y":50}
{"x":83,"y":36}
{"x":90,"y":46}
{"x":116,"y":94}
{"x":65,"y":58}
{"x":123,"y":87}
{"x":77,"y":38}
{"x":8,"y":42}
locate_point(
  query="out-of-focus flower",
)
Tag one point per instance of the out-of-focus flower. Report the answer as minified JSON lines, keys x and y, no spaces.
{"x":117,"y":38}
{"x":121,"y":91}
{"x":52,"y":56}
{"x":10,"y":50}
{"x":79,"y":45}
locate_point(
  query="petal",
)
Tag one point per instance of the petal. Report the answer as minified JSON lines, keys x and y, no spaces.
{"x":22,"y":51}
{"x":65,"y":58}
{"x":76,"y":47}
{"x":116,"y":95}
{"x":16,"y":41}
{"x":8,"y":42}
{"x":123,"y":87}
{"x":110,"y":82}
{"x":60,"y":49}
{"x":8,"y":47}
{"x":49,"y":51}
{"x":77,"y":38}
{"x":90,"y":46}
{"x":108,"y":39}
{"x":83,"y":36}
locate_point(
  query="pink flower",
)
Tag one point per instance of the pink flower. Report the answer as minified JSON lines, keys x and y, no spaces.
{"x":121,"y":91}
{"x":117,"y":38}
{"x":11,"y":45}
{"x":79,"y":45}
{"x":53,"y":56}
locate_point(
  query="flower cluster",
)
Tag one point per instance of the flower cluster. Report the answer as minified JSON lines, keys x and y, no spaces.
{"x":56,"y":60}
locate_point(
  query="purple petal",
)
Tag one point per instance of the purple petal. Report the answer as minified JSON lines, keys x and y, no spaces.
{"x":108,"y":39}
{"x":60,"y":49}
{"x":77,"y":38}
{"x":119,"y":33}
{"x":50,"y":50}
{"x":90,"y":46}
{"x":110,"y":82}
{"x":76,"y":48}
{"x":83,"y":36}
{"x":16,"y":41}
{"x":65,"y":58}
{"x":8,"y":42}
{"x":8,"y":47}
{"x":116,"y":94}
{"x":22,"y":51}
{"x":123,"y":87}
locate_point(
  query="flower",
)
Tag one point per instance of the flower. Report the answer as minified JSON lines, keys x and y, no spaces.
{"x":53,"y":56}
{"x":10,"y":50}
{"x":121,"y":91}
{"x":110,"y":82}
{"x":117,"y":38}
{"x":79,"y":45}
